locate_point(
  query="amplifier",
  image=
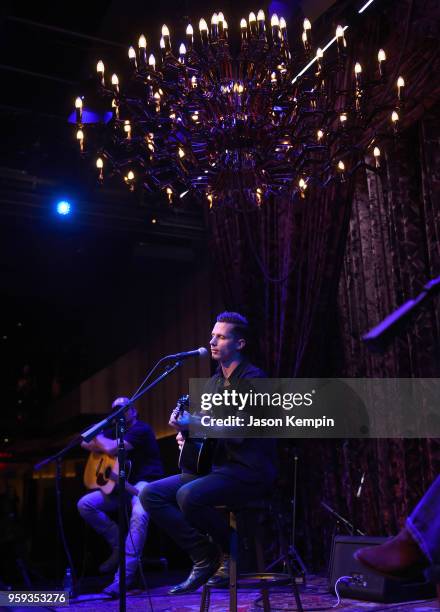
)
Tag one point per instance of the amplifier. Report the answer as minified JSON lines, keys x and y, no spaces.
{"x":365,"y":584}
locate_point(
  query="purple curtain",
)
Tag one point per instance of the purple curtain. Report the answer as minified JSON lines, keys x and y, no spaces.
{"x":316,"y":274}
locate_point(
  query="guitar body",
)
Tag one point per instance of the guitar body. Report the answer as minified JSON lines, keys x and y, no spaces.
{"x":196,"y":453}
{"x":196,"y":456}
{"x":101,"y":472}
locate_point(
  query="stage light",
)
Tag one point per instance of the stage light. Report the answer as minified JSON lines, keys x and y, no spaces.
{"x":63,"y":208}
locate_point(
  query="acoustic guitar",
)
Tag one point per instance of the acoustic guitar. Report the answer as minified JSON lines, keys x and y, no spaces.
{"x":196,"y":453}
{"x":102,"y":472}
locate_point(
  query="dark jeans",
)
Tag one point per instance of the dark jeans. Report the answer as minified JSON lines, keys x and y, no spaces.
{"x":183,"y":506}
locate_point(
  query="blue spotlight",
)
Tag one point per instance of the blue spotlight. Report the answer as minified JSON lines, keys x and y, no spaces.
{"x":63,"y":207}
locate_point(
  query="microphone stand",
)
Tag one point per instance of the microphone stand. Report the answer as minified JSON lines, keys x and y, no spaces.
{"x":117,"y":416}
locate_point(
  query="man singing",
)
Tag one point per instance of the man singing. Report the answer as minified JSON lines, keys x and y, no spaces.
{"x":244,"y":469}
{"x":143,"y":453}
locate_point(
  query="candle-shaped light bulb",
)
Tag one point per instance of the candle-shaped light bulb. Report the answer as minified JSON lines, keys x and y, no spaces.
{"x":129,"y":179}
{"x":142,"y":44}
{"x":162,"y":43}
{"x":376,"y":153}
{"x":220,"y":16}
{"x":100,"y":71}
{"x":181,"y":152}
{"x":169,"y":193}
{"x":381,"y":57}
{"x":341,"y":170}
{"x":132,"y":57}
{"x":340,"y":39}
{"x":127,"y":129}
{"x":275,"y":26}
{"x":80,"y":139}
{"x":261,"y":24}
{"x":394,"y":117}
{"x":243,"y":30}
{"x":253,"y":24}
{"x":283,"y":29}
{"x":152,"y":62}
{"x":306,"y":35}
{"x":302,"y":187}
{"x":100,"y":167}
{"x":189,"y":36}
{"x":203,"y":27}
{"x":115,"y":82}
{"x":243,"y":24}
{"x":400,"y":86}
{"x":343,"y":118}
{"x":273,"y":78}
{"x":182,"y":53}
{"x":357,"y":76}
{"x":319,"y":56}
{"x":214,"y":26}
{"x":319,"y":135}
{"x":166,"y":39}
{"x":78,"y":109}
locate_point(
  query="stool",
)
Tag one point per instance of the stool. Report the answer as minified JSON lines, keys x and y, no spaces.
{"x":248,"y":581}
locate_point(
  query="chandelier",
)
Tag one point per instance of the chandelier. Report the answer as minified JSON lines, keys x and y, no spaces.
{"x":236,"y":128}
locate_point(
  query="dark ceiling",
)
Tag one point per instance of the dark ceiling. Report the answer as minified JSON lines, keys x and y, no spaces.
{"x":59,"y":276}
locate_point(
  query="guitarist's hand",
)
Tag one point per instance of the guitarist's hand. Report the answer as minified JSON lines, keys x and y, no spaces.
{"x":180,"y":422}
{"x":90,"y":446}
{"x":180,"y":440}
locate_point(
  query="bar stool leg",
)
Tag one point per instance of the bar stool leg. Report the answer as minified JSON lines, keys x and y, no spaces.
{"x":260,"y":564}
{"x":233,"y":563}
{"x":205,"y":601}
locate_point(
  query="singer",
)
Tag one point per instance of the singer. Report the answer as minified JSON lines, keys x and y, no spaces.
{"x":243,"y":470}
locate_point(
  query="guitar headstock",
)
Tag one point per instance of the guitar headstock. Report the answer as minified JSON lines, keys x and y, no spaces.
{"x":182,"y":404}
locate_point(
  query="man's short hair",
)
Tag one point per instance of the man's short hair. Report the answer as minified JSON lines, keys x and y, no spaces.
{"x":240,"y":323}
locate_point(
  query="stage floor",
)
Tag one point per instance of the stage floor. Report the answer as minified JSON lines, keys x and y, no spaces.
{"x":315,"y":597}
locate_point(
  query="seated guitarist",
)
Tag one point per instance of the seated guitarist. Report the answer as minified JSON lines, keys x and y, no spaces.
{"x":146,"y":465}
{"x":243,"y":470}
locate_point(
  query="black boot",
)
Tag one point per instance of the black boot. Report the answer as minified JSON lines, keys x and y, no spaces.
{"x":205,"y":567}
{"x":221,"y":576}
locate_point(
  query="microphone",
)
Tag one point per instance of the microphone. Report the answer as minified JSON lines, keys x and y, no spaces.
{"x":200,"y":352}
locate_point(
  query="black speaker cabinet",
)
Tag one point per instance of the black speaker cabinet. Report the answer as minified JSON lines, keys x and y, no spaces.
{"x":367,"y":585}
